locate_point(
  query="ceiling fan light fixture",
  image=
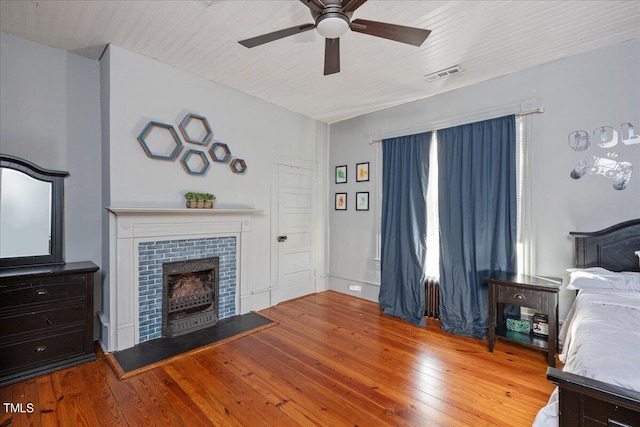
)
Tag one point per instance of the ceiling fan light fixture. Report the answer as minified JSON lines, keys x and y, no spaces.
{"x":332,"y":25}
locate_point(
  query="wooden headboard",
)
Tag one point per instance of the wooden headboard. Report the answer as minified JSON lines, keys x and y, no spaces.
{"x":612,"y":248}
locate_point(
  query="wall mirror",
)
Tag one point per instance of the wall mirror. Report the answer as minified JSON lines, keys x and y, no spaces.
{"x":31,"y":213}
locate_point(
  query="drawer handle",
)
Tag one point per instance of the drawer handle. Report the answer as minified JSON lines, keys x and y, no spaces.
{"x":41,"y":348}
{"x":519,"y":296}
{"x":42,"y":292}
{"x":50,"y":322}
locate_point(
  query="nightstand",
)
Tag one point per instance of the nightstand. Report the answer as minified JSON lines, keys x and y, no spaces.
{"x":534,"y":292}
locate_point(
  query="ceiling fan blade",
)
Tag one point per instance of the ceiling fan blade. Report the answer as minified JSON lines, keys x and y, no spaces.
{"x":331,"y":56}
{"x":269,"y":37}
{"x":351,"y":5}
{"x":314,"y":5}
{"x":399,"y":33}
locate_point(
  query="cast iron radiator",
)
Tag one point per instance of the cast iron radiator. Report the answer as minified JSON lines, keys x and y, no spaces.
{"x":432,"y":298}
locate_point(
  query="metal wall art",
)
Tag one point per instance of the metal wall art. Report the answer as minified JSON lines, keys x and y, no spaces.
{"x":606,"y":165}
{"x":161,"y":141}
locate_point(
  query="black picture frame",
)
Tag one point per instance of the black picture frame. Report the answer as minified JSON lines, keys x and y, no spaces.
{"x":362,"y":172}
{"x":340,"y":202}
{"x":362,"y":201}
{"x":341,"y":174}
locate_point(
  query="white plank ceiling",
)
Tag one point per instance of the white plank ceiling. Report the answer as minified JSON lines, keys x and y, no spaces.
{"x":486,"y":38}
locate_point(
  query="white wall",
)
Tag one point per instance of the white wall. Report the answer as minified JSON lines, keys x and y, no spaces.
{"x":50,"y":115}
{"x":583,"y":92}
{"x":137,"y":89}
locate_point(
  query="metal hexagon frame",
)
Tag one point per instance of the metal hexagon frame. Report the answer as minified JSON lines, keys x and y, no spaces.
{"x":142,"y":139}
{"x":238,"y":166}
{"x":187,"y":168}
{"x":205,"y":124}
{"x":214,"y":152}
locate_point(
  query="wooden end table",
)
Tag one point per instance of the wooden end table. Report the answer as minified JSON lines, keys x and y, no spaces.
{"x":535,"y":292}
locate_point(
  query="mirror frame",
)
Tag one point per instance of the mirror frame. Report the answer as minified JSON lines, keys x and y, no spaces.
{"x":56,"y":178}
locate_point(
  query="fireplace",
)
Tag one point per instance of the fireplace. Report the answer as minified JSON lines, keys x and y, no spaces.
{"x":141,"y":240}
{"x":190,"y":295}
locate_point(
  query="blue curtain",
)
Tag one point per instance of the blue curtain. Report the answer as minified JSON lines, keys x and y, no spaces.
{"x":405,"y":171}
{"x":477,"y":207}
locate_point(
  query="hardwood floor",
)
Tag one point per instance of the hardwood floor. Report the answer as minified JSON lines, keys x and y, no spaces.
{"x":333,"y":360}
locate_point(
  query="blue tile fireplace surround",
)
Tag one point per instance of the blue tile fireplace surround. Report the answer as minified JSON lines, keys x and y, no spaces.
{"x":152,"y":255}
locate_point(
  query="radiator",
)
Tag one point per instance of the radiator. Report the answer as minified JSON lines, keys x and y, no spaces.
{"x":432,"y":298}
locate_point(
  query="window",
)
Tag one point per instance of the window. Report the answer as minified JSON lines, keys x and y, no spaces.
{"x":524,"y":243}
{"x":432,"y":262}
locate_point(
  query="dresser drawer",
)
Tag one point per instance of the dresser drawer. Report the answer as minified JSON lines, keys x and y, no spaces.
{"x":522,"y":297}
{"x":35,"y":321}
{"x":39,"y":351}
{"x":42,"y":291}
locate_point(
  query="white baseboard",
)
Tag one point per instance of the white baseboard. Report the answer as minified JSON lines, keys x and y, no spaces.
{"x":367,"y":290}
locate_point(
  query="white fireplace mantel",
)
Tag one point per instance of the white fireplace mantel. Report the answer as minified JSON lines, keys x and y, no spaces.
{"x":128,"y":226}
{"x":184,"y":211}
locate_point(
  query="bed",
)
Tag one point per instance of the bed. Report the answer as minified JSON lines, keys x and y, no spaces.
{"x":600,"y":382}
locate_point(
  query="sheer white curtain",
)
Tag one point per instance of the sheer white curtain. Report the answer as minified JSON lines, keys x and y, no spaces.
{"x":432,"y":262}
{"x":525,"y":245}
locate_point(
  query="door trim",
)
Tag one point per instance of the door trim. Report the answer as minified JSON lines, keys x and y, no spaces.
{"x":276,"y":161}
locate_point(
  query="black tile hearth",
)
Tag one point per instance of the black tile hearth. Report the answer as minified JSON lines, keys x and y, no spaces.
{"x":151,"y":352}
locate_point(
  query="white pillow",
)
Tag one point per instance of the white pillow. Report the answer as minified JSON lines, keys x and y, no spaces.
{"x":600,"y":278}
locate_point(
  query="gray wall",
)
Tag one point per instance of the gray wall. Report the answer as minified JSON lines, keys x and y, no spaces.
{"x":50,"y":115}
{"x":137,"y":89}
{"x":584,"y":92}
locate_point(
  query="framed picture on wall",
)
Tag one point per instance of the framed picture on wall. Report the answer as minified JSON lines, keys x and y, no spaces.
{"x":341,"y":201}
{"x":341,"y":174}
{"x":362,"y":201}
{"x":362,"y":172}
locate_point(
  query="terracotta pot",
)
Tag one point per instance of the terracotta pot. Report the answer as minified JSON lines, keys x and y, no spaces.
{"x":208,"y":204}
{"x":200,"y":204}
{"x":191,"y":203}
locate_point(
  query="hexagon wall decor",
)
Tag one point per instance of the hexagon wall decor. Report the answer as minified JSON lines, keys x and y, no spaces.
{"x":196,"y":129}
{"x":190,"y":163}
{"x":238,"y":166}
{"x":220,"y":152}
{"x":160,"y":141}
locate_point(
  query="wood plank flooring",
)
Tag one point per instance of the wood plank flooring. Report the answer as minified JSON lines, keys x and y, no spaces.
{"x":333,"y":360}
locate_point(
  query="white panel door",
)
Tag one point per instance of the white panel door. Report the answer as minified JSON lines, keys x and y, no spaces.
{"x":293,"y":231}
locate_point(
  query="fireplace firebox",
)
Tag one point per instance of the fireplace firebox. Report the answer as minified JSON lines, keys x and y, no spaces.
{"x":190,"y":295}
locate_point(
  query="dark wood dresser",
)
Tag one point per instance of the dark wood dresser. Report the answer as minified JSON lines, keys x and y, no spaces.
{"x":46,"y":319}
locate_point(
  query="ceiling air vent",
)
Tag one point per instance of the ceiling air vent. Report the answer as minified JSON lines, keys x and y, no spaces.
{"x":443,"y":73}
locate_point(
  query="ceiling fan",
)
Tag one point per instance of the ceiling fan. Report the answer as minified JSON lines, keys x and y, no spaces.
{"x":332,"y":20}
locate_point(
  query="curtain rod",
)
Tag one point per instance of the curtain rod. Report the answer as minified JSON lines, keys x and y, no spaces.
{"x":539,"y":110}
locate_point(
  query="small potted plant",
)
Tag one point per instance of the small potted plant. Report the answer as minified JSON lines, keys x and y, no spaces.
{"x":199,"y":200}
{"x":191,"y":199}
{"x":208,"y":200}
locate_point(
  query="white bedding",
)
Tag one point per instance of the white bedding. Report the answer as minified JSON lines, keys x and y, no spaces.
{"x":601,"y":340}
